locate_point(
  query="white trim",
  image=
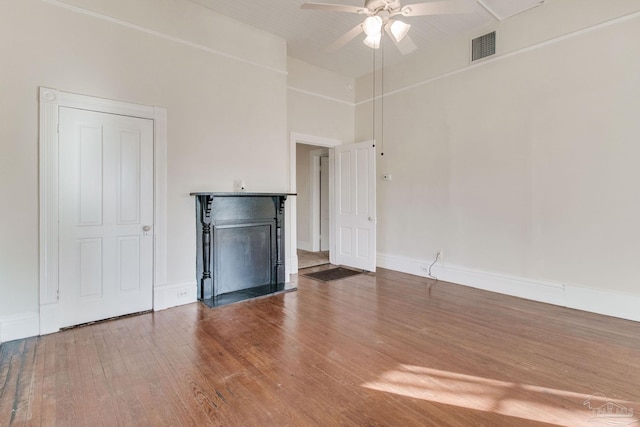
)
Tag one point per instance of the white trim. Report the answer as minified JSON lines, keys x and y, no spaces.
{"x":536,"y":290}
{"x":18,"y":326}
{"x":301,"y":138}
{"x":314,"y":196}
{"x":48,"y":185}
{"x":499,"y":57}
{"x":292,"y":266}
{"x":160,"y":195}
{"x":405,"y":265}
{"x":173,"y":295}
{"x":146,"y":30}
{"x":318,"y":95}
{"x":314,"y":219}
{"x":50,"y":101}
{"x":610,"y":303}
{"x":102,"y":105}
{"x":49,"y":318}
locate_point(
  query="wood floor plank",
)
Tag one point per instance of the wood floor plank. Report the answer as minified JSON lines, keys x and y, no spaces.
{"x":49,"y":394}
{"x":35,"y":405}
{"x":10,"y":362}
{"x":384,"y":349}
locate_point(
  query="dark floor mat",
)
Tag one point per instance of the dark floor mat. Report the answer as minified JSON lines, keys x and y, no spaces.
{"x":331,"y":274}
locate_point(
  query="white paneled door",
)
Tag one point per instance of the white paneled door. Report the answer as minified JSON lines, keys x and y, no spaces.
{"x":355,"y":198}
{"x":106,"y":215}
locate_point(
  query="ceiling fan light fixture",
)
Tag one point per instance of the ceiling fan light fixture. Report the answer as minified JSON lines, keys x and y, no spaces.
{"x":373,"y":41}
{"x":399,"y":30}
{"x":372,"y":26}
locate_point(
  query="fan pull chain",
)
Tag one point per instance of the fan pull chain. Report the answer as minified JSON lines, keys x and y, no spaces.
{"x":373,"y":99}
{"x":382,"y":96}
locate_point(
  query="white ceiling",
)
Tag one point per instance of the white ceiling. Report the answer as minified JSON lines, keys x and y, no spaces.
{"x":309,"y":32}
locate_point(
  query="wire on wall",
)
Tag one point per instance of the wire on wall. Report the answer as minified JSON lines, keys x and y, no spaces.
{"x":431,"y":276}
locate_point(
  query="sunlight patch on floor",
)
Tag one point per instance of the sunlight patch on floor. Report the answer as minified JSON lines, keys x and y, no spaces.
{"x":507,"y":398}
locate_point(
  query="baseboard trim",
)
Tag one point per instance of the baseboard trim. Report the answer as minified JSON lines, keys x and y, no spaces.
{"x":49,"y":322}
{"x":615,"y":304}
{"x":18,"y":326}
{"x":25,"y":325}
{"x":173,"y":295}
{"x":305,"y":246}
{"x":548,"y":292}
{"x":609,"y":303}
{"x":291,"y":267}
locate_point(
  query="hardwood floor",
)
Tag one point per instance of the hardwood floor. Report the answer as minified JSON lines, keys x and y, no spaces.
{"x":381,"y":350}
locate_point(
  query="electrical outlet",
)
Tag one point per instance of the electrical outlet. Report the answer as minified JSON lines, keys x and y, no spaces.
{"x":183,"y":294}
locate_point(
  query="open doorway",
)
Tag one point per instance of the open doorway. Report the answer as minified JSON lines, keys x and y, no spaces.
{"x":352,"y":227}
{"x":299,"y":140}
{"x":312,"y":205}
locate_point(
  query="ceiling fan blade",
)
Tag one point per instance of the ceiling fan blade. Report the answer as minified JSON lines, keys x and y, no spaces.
{"x":438,"y":8}
{"x":405,"y":46}
{"x":346,"y":38}
{"x":334,"y":8}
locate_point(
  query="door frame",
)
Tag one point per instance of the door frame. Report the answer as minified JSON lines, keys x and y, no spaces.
{"x":314,"y":196}
{"x":300,"y":138}
{"x":50,"y":102}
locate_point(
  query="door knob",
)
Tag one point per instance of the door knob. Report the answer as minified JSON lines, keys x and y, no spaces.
{"x":146,"y":230}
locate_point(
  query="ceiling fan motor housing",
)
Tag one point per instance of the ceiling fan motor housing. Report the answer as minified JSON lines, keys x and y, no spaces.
{"x":376,"y":6}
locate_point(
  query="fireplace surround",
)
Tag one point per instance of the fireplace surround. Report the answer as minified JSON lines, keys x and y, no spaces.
{"x":240,"y":241}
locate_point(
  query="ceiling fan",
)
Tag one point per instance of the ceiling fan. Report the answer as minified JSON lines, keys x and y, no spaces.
{"x":382,"y":14}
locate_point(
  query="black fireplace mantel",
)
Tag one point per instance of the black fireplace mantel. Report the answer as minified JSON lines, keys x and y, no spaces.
{"x":240,"y":245}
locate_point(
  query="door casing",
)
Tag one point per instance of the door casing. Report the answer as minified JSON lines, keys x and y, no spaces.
{"x":294,"y":139}
{"x":299,"y":138}
{"x":314,"y":197}
{"x":50,"y":102}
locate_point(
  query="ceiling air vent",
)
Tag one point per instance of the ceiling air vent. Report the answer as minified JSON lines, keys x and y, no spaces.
{"x":483,"y":46}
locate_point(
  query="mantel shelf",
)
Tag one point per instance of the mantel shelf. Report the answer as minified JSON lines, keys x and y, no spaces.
{"x":240,"y":194}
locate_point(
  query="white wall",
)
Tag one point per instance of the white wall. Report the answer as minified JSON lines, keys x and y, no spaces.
{"x":522,"y":169}
{"x":320,"y":102}
{"x":224,"y":86}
